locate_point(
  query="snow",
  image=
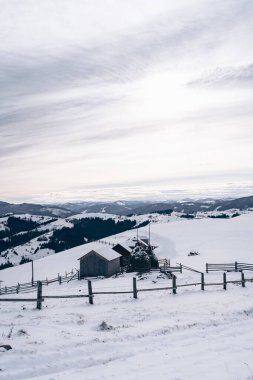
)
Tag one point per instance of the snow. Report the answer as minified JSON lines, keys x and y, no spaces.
{"x":2,"y":226}
{"x":217,"y":240}
{"x":32,"y":248}
{"x":138,"y":218}
{"x":126,"y":247}
{"x":191,"y":335}
{"x":106,"y":252}
{"x":143,"y":237}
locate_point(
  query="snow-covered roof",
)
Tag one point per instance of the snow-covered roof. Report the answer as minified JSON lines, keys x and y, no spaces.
{"x":140,"y":237}
{"x":143,"y":237}
{"x":124,"y":245}
{"x":106,"y":252}
{"x":143,"y":242}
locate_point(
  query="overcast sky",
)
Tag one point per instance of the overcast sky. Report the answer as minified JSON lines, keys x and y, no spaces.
{"x":113,"y":99}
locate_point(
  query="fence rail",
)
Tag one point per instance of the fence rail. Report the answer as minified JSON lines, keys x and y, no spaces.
{"x":229,"y":267}
{"x":31,"y":286}
{"x":91,"y":294}
{"x":189,"y":268}
{"x":164,"y":266}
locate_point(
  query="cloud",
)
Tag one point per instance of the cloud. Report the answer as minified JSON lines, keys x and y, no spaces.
{"x":126,"y":90}
{"x":227,"y":76}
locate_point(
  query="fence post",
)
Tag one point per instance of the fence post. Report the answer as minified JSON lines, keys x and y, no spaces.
{"x":47,"y":281}
{"x":78,"y":275}
{"x":174,"y":284}
{"x":59,"y":280}
{"x":236,"y":266}
{"x":18,"y":287}
{"x":206,"y":268}
{"x":39,"y":295}
{"x":243,"y":280}
{"x":202,"y":281}
{"x":6,"y":289}
{"x":134,"y":288}
{"x":180,"y":268}
{"x":90,"y":292}
{"x":224,"y":281}
{"x":32,"y":274}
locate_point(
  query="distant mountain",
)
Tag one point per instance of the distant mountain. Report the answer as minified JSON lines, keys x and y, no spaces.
{"x":240,"y":204}
{"x":31,"y":231}
{"x":127,"y":207}
{"x":118,"y":208}
{"x":146,"y":207}
{"x":35,"y":209}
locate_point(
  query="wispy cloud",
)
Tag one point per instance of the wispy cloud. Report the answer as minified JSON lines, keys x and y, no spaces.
{"x":227,"y":76}
{"x":126,"y":91}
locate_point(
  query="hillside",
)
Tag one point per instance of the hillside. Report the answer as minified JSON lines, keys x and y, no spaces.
{"x":217,"y":240}
{"x":146,"y":207}
{"x":25,"y":237}
{"x":30,"y":208}
{"x":28,"y":237}
{"x":124,"y":207}
{"x":191,"y":335}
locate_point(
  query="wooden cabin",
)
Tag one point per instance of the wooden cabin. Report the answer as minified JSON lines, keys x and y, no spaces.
{"x":100,"y":262}
{"x":125,"y":252}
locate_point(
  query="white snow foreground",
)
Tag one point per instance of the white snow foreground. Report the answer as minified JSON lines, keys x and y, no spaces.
{"x":192,"y":335}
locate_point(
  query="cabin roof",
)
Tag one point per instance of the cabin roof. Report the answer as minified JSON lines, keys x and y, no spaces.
{"x":108,"y":253}
{"x":124,"y":245}
{"x":140,"y":238}
{"x":143,"y":237}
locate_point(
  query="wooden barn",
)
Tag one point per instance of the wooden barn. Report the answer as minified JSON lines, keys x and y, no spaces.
{"x":100,"y":262}
{"x":124,"y":251}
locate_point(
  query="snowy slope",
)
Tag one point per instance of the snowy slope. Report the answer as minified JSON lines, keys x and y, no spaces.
{"x":31,"y":249}
{"x":190,"y":336}
{"x":217,"y":240}
{"x":193,"y":335}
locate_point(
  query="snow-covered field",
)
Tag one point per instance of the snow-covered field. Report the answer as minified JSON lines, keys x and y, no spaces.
{"x":217,"y":240}
{"x":33,"y":248}
{"x":191,"y":335}
{"x":47,"y":225}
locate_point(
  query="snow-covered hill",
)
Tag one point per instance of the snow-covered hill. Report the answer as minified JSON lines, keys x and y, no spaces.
{"x":38,"y":236}
{"x":38,"y":246}
{"x":191,"y":335}
{"x":45,"y":226}
{"x":217,"y":240}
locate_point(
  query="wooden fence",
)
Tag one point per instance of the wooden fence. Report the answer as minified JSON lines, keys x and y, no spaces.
{"x":31,"y":286}
{"x":164,"y":266}
{"x":134,"y":291}
{"x":189,"y":268}
{"x":231,"y":267}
